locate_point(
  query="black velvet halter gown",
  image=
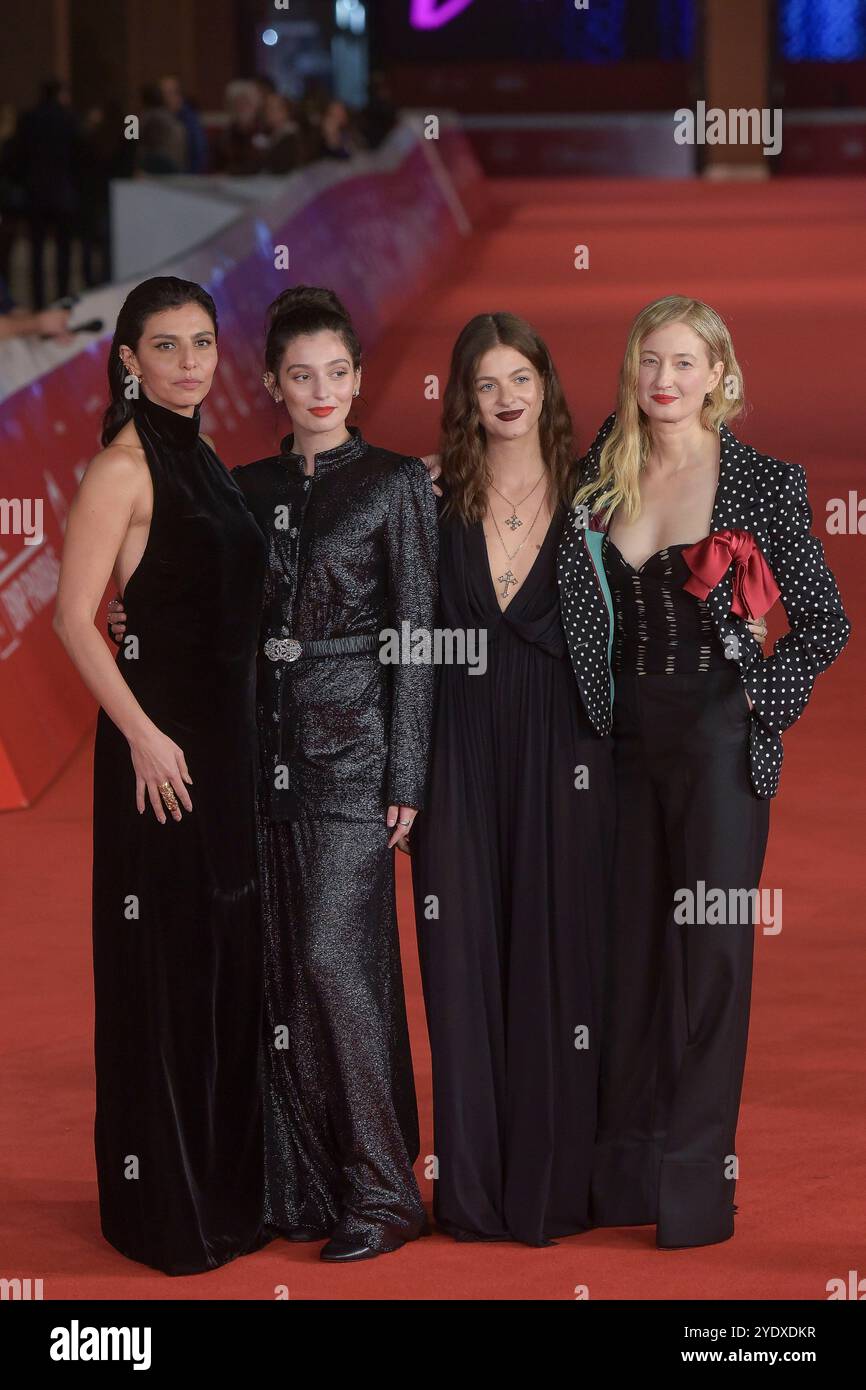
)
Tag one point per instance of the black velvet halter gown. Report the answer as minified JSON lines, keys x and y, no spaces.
{"x":510,"y":864}
{"x":177,"y":939}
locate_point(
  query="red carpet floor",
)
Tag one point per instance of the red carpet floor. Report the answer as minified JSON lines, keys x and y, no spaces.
{"x":784,"y":265}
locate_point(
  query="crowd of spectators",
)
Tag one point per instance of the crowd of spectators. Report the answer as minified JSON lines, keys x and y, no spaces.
{"x":57,"y":164}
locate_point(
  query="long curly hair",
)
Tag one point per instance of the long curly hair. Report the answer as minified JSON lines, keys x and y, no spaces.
{"x":628,"y":445}
{"x":463,"y":446}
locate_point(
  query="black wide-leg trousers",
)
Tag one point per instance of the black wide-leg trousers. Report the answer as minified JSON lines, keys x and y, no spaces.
{"x":678,"y":987}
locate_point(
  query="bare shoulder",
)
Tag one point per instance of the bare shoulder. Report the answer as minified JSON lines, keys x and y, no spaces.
{"x":120,"y":469}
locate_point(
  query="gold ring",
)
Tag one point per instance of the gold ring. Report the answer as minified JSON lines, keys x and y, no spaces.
{"x":166,"y":791}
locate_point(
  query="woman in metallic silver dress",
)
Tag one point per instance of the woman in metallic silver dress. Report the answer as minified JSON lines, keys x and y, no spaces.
{"x":352,"y":538}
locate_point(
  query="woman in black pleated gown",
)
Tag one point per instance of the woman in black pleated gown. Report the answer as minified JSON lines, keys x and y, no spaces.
{"x":511,"y":855}
{"x":177,"y":942}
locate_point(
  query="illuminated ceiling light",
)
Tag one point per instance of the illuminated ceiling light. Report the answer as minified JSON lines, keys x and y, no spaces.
{"x":351,"y":14}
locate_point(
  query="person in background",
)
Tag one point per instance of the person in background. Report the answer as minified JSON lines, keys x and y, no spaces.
{"x":284,"y":151}
{"x":266,"y":87}
{"x":197,"y":154}
{"x":312,"y":108}
{"x":44,"y":162}
{"x":162,"y":146}
{"x":380,"y":114}
{"x":12,"y":200}
{"x":339,"y":141}
{"x":105,"y":155}
{"x":241,"y":151}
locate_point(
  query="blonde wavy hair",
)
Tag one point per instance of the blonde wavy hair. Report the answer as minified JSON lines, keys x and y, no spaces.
{"x":628,"y":445}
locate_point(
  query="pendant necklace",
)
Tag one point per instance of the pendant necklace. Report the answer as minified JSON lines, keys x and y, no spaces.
{"x":514,"y":521}
{"x":509,"y":577}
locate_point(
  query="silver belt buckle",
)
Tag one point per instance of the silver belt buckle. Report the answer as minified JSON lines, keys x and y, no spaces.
{"x":282,"y":648}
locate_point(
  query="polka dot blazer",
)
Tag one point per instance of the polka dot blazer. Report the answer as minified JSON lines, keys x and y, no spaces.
{"x":756,"y":494}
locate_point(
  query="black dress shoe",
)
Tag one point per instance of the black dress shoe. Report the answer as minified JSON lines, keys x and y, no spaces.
{"x":350,"y":1251}
{"x":305,"y":1233}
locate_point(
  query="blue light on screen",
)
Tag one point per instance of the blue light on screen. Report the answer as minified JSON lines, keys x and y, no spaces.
{"x":830,"y":31}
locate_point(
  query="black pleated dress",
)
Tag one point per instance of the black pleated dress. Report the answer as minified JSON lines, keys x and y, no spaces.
{"x":177,"y":937}
{"x":510,"y":866}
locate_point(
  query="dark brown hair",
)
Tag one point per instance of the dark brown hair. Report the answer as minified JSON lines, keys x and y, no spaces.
{"x":150,"y":297}
{"x":464,"y":443}
{"x":307,"y":309}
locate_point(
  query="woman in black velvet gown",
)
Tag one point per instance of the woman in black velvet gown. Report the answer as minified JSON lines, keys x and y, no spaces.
{"x":177,"y":949}
{"x":511,"y":855}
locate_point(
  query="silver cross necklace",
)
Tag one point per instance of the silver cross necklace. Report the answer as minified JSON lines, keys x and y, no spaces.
{"x":509,"y":578}
{"x":514,"y":521}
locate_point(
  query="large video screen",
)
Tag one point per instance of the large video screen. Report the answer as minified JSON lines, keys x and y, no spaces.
{"x":830,"y":31}
{"x":606,"y":31}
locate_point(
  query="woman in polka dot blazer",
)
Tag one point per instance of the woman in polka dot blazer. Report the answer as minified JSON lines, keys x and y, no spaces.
{"x":680,"y":535}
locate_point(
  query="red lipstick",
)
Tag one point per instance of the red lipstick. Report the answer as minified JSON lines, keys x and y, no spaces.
{"x":322,"y":410}
{"x":664,"y":400}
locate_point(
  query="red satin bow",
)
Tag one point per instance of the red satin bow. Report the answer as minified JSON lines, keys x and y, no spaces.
{"x":754,"y":588}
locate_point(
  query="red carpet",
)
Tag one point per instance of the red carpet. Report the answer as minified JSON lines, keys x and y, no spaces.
{"x":783,"y":263}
